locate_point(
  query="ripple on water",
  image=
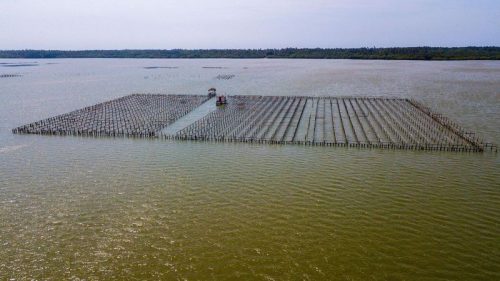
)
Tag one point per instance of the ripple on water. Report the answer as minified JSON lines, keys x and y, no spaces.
{"x":100,"y":209}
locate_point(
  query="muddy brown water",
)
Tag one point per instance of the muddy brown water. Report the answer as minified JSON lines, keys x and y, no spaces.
{"x":114,"y":208}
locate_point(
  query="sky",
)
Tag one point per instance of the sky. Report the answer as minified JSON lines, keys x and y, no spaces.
{"x":216,"y":24}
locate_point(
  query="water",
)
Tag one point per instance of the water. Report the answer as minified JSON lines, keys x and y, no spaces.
{"x":193,"y":116}
{"x":100,"y":209}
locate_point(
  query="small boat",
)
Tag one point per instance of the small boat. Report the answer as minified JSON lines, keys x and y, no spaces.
{"x":221,"y":100}
{"x":212,"y":92}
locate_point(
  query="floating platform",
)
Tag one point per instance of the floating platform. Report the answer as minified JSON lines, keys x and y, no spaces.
{"x":369,"y":122}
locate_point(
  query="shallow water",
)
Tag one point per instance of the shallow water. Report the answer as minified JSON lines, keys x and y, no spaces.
{"x":105,"y":208}
{"x":193,"y":116}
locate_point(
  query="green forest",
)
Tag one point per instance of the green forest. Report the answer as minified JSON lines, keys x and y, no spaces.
{"x":411,"y":53}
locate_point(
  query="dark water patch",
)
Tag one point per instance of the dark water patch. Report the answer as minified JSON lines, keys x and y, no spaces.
{"x":161,"y":67}
{"x":11,"y":75}
{"x":224,"y":76}
{"x":19,"y":65}
{"x":214,"y":67}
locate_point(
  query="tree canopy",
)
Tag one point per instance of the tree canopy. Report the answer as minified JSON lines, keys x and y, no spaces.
{"x":407,"y":53}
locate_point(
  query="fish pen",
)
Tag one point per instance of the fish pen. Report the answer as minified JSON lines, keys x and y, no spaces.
{"x":369,"y":122}
{"x":137,"y":115}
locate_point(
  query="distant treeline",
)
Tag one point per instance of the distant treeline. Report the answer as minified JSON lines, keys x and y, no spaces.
{"x":412,"y":53}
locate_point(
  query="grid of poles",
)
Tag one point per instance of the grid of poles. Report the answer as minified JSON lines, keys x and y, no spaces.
{"x":137,"y":115}
{"x":370,"y":122}
{"x":332,"y":121}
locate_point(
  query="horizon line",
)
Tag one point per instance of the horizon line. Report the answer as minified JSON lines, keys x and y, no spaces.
{"x":276,"y":48}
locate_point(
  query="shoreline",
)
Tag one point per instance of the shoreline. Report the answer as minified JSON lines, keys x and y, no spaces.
{"x":405,"y":53}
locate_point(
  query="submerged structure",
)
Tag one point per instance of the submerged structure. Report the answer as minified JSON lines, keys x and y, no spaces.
{"x":326,"y":121}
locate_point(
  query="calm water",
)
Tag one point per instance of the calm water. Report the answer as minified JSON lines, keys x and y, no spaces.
{"x":100,"y":209}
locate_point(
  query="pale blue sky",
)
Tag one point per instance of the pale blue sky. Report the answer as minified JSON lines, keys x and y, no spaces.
{"x":166,"y":24}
